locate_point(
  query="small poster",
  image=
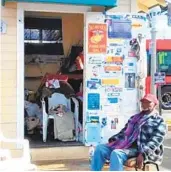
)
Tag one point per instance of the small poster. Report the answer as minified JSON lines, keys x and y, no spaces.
{"x":96,"y":70}
{"x":119,"y":28}
{"x":129,"y":80}
{"x":159,"y":78}
{"x":111,"y":71}
{"x":104,"y":122}
{"x":93,"y":101}
{"x":94,"y":119}
{"x":113,"y":124}
{"x":117,"y":60}
{"x":95,"y":60}
{"x":93,"y":83}
{"x":112,"y":68}
{"x":93,"y":133}
{"x":97,"y":38}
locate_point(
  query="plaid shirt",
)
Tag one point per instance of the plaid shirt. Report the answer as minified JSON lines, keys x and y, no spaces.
{"x":150,"y":139}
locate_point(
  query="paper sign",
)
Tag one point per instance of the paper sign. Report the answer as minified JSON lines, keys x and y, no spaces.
{"x":96,"y":70}
{"x":113,"y":94}
{"x":129,"y":80}
{"x":93,"y":101}
{"x":93,"y":133}
{"x":93,"y":83}
{"x":104,"y":122}
{"x":97,"y":60}
{"x":159,"y":78}
{"x":113,"y":124}
{"x":114,"y":59}
{"x":119,"y":28}
{"x":97,"y":38}
{"x":113,"y":100}
{"x":94,"y":119}
{"x":112,"y":68}
{"x":113,"y":89}
{"x":110,"y":81}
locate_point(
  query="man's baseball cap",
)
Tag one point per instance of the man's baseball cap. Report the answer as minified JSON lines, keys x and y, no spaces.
{"x":150,"y":98}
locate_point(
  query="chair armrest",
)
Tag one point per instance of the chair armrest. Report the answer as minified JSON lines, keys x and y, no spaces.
{"x":45,"y":115}
{"x":75,"y":102}
{"x":76,"y":114}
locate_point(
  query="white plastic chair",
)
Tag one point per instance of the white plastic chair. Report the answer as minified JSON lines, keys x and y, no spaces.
{"x":55,"y":99}
{"x":23,"y":163}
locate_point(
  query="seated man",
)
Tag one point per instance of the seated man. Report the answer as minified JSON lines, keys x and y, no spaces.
{"x":142,"y":137}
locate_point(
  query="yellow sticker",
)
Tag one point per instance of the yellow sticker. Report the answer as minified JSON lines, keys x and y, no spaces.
{"x":116,"y":41}
{"x":110,"y":81}
{"x":136,"y":25}
{"x":168,"y":121}
{"x":114,"y":59}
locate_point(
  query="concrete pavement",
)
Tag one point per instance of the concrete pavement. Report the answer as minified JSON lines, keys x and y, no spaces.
{"x":64,"y":165}
{"x":83,"y":164}
{"x":167,"y":116}
{"x":166,"y":165}
{"x":167,"y":141}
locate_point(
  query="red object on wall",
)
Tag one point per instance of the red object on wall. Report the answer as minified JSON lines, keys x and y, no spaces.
{"x":161,"y":44}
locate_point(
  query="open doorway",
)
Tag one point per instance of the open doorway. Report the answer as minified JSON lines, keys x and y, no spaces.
{"x":53,"y":78}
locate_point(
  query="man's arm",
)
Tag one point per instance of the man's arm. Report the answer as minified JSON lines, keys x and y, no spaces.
{"x":121,"y":133}
{"x":155,"y":140}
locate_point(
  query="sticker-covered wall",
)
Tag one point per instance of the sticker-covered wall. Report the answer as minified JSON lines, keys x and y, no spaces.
{"x":115,"y":55}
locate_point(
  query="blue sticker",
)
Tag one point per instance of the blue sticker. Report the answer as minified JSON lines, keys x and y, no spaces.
{"x":113,"y":100}
{"x":94,"y":119}
{"x":93,"y":133}
{"x":93,"y":101}
{"x":130,"y":64}
{"x":104,"y":122}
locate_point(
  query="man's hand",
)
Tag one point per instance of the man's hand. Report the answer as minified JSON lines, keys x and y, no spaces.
{"x":139,"y":161}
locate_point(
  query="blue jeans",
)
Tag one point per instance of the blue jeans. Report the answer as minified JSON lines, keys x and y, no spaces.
{"x":117,"y":157}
